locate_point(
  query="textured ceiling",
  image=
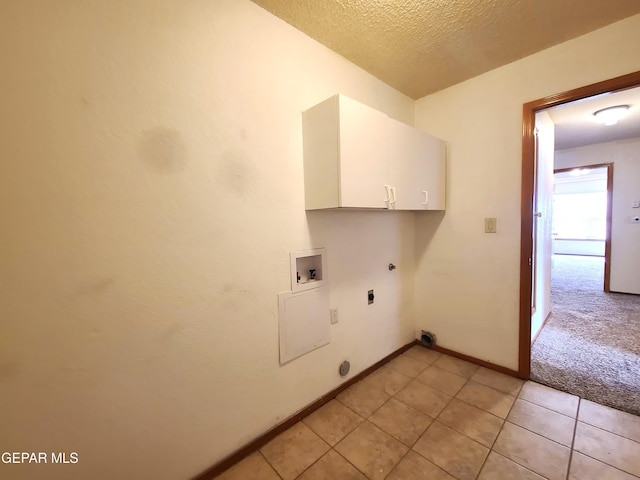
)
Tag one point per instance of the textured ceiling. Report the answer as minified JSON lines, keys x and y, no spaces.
{"x":422,"y":46}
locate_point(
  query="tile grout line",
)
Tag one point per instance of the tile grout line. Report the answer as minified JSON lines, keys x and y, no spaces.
{"x":269,"y":463}
{"x":540,"y":434}
{"x":547,"y":408}
{"x":544,"y":436}
{"x":410,"y":449}
{"x":380,"y":386}
{"x":608,"y":465}
{"x":602,"y":461}
{"x":349,"y":461}
{"x":320,"y":457}
{"x":332,"y":447}
{"x":429,"y":365}
{"x":604,"y":429}
{"x":443,"y":370}
{"x":433,"y":420}
{"x":516,"y":398}
{"x":366,"y":419}
{"x":467,"y":381}
{"x":573,"y":439}
{"x":575,"y":431}
{"x":348,"y":407}
{"x":401,"y":459}
{"x":504,"y":421}
{"x":301,"y":421}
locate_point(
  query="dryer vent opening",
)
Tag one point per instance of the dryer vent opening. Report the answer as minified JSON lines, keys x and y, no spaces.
{"x":428,"y":339}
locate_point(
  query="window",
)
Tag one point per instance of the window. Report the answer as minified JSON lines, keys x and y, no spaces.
{"x":580,"y":216}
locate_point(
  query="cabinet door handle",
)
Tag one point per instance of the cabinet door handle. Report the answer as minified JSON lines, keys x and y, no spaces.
{"x":387,"y":200}
{"x":393,"y":195}
{"x":426,"y":197}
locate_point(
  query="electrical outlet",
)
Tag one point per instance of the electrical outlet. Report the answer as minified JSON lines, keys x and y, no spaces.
{"x":334,"y":316}
{"x":370,"y":297}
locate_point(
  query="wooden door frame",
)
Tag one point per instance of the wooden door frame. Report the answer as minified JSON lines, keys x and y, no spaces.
{"x":607,"y":235}
{"x":529,"y":111}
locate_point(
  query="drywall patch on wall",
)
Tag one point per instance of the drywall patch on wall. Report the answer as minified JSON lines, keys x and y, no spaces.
{"x":97,"y":286}
{"x":163,"y":150}
{"x":9,"y":371}
{"x":236,"y":172}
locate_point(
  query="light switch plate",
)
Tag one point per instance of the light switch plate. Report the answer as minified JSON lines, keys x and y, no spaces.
{"x":490,"y":225}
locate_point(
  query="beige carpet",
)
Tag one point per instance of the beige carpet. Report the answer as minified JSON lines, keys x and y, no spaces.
{"x":590,"y":345}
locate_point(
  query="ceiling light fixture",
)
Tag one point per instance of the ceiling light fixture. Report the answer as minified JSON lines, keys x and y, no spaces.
{"x":611,"y":115}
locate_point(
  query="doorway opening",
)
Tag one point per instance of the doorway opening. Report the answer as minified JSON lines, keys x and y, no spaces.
{"x":587,"y":345}
{"x":530,"y":110}
{"x":581,"y":224}
{"x":592,"y":335}
{"x":575,"y":235}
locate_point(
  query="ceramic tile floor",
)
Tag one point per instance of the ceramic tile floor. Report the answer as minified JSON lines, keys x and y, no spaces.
{"x":430,"y":416}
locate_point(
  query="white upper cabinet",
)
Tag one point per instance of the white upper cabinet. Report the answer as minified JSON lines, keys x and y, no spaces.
{"x":357,"y":157}
{"x":416,"y":168}
{"x":345,"y":155}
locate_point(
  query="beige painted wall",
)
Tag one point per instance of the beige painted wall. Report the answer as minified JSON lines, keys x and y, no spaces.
{"x":151,"y":189}
{"x":467,"y":282}
{"x":625,"y":235}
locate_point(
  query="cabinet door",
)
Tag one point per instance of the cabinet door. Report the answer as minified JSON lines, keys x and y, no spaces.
{"x":364,"y":146}
{"x":434,"y":167}
{"x":416,"y":168}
